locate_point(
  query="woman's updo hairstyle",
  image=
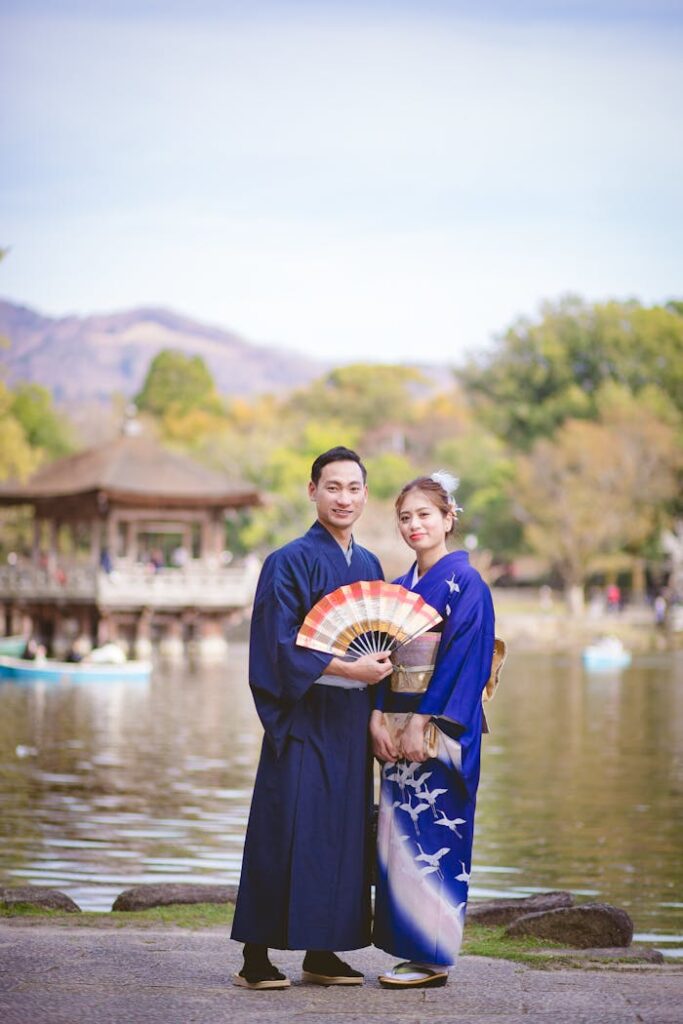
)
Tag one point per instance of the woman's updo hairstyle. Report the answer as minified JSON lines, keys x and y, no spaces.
{"x":439,"y":489}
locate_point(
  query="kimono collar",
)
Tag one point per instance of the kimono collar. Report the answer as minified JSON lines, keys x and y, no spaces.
{"x":451,"y":562}
{"x":320,"y":535}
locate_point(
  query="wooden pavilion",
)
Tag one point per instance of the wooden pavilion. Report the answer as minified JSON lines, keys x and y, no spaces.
{"x":128,"y":545}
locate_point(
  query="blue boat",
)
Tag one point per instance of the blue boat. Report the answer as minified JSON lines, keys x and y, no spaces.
{"x":24,"y":671}
{"x":13,"y":645}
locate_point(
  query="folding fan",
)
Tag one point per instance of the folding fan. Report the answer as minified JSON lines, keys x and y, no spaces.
{"x":365,"y":618}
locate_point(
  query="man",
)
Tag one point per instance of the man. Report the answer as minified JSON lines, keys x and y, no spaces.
{"x":305,"y":874}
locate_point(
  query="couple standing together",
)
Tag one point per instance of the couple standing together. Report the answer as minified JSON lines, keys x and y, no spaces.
{"x":306,"y":871}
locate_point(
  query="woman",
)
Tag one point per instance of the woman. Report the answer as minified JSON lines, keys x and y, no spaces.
{"x":427,"y":802}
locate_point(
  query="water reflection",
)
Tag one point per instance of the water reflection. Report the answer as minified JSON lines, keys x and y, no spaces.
{"x":128,"y":785}
{"x":113,"y":784}
{"x":583,"y":783}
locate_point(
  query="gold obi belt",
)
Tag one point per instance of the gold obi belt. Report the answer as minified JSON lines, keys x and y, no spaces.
{"x":414,"y":664}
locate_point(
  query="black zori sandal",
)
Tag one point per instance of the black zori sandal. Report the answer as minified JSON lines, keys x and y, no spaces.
{"x":264,"y":977}
{"x":410,"y":975}
{"x":257,"y":971}
{"x":327,"y":969}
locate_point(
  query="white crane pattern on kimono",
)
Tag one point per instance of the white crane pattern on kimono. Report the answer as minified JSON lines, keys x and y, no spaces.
{"x":430,"y":795}
{"x":464,"y":875}
{"x":453,"y":587}
{"x":432,"y":859}
{"x":404,"y":774}
{"x":414,"y":812}
{"x":416,"y":783}
{"x":451,"y":823}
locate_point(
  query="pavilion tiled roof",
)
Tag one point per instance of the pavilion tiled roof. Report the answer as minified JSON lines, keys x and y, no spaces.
{"x":131,"y":469}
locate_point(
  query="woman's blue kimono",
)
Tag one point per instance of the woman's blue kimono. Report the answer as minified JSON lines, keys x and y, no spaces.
{"x":305,"y":880}
{"x":426,"y":816}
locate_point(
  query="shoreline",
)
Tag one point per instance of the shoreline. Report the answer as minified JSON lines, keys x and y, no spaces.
{"x":527,"y":627}
{"x":528,"y":624}
{"x":481,"y":938}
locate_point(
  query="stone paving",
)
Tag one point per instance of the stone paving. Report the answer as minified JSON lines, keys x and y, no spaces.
{"x":71,"y":975}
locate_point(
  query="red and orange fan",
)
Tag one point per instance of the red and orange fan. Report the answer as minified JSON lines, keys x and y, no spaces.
{"x":367,"y":617}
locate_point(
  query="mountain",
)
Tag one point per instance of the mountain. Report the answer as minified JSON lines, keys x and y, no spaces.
{"x":86,"y":359}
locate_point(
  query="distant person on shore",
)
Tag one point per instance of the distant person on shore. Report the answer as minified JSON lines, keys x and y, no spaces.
{"x":35,"y":650}
{"x":306,"y":875}
{"x":80,"y":649}
{"x":180,"y":556}
{"x":106,"y":564}
{"x":426,"y":730}
{"x":660,"y":609}
{"x":156,"y":559}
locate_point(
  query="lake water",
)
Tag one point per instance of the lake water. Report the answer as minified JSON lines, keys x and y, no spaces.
{"x":104,"y":786}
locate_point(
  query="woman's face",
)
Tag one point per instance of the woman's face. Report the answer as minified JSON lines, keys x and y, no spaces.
{"x":423,"y":526}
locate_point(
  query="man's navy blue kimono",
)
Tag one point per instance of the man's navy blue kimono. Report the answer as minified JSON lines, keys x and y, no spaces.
{"x":305,"y":875}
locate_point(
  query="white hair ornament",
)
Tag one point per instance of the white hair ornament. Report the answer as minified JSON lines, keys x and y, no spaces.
{"x":450,"y":485}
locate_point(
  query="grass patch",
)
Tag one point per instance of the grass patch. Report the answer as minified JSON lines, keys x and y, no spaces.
{"x":183,"y":915}
{"x":179,"y":915}
{"x":491,"y":940}
{"x":27,"y":910}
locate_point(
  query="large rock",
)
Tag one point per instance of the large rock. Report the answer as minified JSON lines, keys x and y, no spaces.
{"x":142,"y":897}
{"x":589,"y":926}
{"x":37,"y":896}
{"x":503,"y":911}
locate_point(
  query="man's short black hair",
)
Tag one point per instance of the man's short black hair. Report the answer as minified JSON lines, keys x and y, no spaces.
{"x":338,"y":454}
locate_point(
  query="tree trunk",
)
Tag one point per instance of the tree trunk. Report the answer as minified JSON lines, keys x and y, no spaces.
{"x":639,"y":581}
{"x":575,"y":598}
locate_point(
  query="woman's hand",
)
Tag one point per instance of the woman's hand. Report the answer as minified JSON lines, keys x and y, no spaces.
{"x":382,"y":745}
{"x":413,"y":738}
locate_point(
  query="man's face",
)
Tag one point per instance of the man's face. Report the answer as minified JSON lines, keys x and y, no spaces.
{"x":340,"y":495}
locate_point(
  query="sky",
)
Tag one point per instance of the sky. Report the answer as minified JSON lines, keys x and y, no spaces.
{"x":392,"y":181}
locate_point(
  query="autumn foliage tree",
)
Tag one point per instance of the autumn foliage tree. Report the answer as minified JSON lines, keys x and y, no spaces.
{"x":597,"y":487}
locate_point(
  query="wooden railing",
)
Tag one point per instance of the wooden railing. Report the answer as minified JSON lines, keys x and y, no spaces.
{"x":197,"y":585}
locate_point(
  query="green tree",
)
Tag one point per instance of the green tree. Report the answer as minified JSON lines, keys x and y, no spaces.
{"x":486,"y":471}
{"x":387,"y":473}
{"x":17,"y":458}
{"x":43,"y":426}
{"x":177,"y":384}
{"x":17,"y":461}
{"x":544,"y":372}
{"x":362,"y":394}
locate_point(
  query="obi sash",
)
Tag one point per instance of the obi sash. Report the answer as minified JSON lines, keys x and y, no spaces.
{"x":414,"y":664}
{"x":414,"y":667}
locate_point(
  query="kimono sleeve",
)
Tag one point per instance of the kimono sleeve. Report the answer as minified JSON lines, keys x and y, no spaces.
{"x":280,"y":673}
{"x":463,"y":662}
{"x":380,"y":693}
